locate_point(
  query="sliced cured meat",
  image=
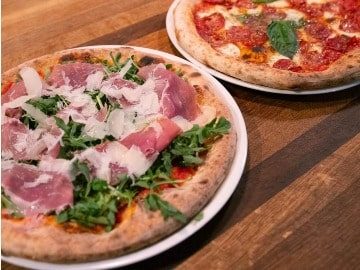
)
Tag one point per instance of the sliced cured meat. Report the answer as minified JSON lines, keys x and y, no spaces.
{"x":154,"y":138}
{"x":16,"y":90}
{"x":245,"y":4}
{"x":20,"y":143}
{"x":317,"y":30}
{"x":208,"y":26}
{"x":73,"y":74}
{"x":176,"y":96}
{"x":287,"y":64}
{"x":247,"y":36}
{"x":37,"y":192}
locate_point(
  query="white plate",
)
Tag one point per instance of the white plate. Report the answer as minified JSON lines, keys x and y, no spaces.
{"x":209,"y":211}
{"x":170,"y":28}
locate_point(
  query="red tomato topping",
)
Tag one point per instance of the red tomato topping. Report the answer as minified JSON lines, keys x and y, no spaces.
{"x":247,"y":36}
{"x":209,"y":28}
{"x":351,"y":23}
{"x":182,"y":173}
{"x":318,"y":30}
{"x":210,"y":24}
{"x":348,"y":6}
{"x":6,"y":87}
{"x":245,"y":4}
{"x":338,"y":43}
{"x":287,"y":64}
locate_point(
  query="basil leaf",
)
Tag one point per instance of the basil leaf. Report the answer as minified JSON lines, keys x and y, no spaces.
{"x":283,"y":37}
{"x":263,"y":1}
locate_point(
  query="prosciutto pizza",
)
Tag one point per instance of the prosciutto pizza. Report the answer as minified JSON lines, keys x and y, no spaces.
{"x":106,"y":151}
{"x":284,"y":44}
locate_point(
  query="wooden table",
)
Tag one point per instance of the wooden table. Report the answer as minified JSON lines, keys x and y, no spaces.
{"x":298,"y":202}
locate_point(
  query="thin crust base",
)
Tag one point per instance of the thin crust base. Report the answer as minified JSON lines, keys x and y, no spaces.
{"x":44,"y":240}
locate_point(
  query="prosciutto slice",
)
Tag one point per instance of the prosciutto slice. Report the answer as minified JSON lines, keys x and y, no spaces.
{"x":153,"y":138}
{"x":35,"y":191}
{"x":176,"y":96}
{"x":16,"y":90}
{"x":20,"y":143}
{"x":73,"y":74}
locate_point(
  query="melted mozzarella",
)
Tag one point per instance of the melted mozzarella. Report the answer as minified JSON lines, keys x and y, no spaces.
{"x":279,"y":4}
{"x":294,"y":15}
{"x":275,"y":57}
{"x":212,"y":10}
{"x":336,"y":27}
{"x":230,"y":49}
{"x":309,"y":2}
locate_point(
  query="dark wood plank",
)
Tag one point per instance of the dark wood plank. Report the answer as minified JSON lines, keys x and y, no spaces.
{"x":242,"y":245}
{"x":335,"y":230}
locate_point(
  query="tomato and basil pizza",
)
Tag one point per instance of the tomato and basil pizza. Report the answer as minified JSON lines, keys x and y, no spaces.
{"x":105,"y":151}
{"x":285,"y":44}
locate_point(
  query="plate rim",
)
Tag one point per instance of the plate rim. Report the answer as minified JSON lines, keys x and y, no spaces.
{"x":217,"y":202}
{"x":170,"y":29}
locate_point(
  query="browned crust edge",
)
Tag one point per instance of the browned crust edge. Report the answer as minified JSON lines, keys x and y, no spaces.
{"x":46,"y":242}
{"x":344,"y":70}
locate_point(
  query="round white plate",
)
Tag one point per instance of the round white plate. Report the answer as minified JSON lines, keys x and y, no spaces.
{"x":170,"y":28}
{"x":210,"y":210}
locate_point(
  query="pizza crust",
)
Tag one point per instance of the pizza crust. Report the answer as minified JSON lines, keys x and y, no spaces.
{"x":345,"y":70}
{"x":45,"y":240}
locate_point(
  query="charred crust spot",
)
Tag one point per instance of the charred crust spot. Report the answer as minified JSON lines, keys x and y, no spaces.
{"x":148,"y":60}
{"x":246,"y":56}
{"x":86,"y":57}
{"x":204,"y":181}
{"x":350,"y":66}
{"x":67,"y":58}
{"x":206,"y":87}
{"x":194,"y":74}
{"x":175,"y":195}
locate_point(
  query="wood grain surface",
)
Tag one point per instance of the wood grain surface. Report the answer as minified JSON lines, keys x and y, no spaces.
{"x":297,"y":205}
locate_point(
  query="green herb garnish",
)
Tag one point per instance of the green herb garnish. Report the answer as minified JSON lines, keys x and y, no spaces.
{"x":283,"y":37}
{"x":96,"y":202}
{"x":153,"y":202}
{"x":116,"y":66}
{"x":73,"y":139}
{"x":49,"y":105}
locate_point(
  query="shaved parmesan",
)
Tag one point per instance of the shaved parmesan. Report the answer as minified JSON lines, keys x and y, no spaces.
{"x":125,"y":68}
{"x":116,"y":123}
{"x":18,"y":102}
{"x":35,"y":113}
{"x":32,"y":81}
{"x":136,"y":162}
{"x":95,"y":129}
{"x":61,"y":166}
{"x":93,"y":81}
{"x":184,"y":124}
{"x":111,"y":91}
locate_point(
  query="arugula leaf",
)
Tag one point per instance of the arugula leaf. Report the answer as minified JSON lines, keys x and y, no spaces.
{"x":73,"y":139}
{"x":263,"y":1}
{"x":283,"y":37}
{"x":153,"y":202}
{"x":49,"y":105}
{"x":116,"y":66}
{"x":96,"y":202}
{"x":29,"y":121}
{"x":10,"y":206}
